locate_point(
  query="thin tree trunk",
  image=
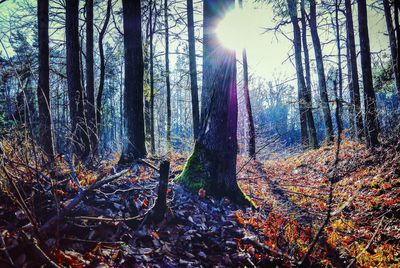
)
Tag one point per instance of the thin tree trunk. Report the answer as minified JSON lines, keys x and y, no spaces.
{"x":392,"y":41}
{"x":134,"y":147}
{"x":249,"y":113}
{"x":193,"y":70}
{"x":80,"y":138}
{"x":340,"y":81}
{"x":397,"y":28}
{"x":147,"y":79}
{"x":167,"y":81}
{"x":301,"y":85}
{"x":250,"y":122}
{"x":151,"y":58}
{"x":350,"y":107}
{"x":43,"y":91}
{"x":321,"y":72}
{"x":311,"y":131}
{"x":102,"y":68}
{"x":121,"y":104}
{"x":371,"y":119}
{"x":355,"y":88}
{"x":90,"y":107}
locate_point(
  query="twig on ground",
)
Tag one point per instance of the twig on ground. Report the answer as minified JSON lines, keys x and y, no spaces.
{"x":149,"y":165}
{"x":93,"y":241}
{"x":368,"y":245}
{"x":75,"y":201}
{"x":40,"y":251}
{"x":263,"y":247}
{"x":4,"y":249}
{"x":73,"y":174}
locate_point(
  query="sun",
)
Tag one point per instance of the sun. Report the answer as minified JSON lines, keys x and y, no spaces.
{"x":233,"y":31}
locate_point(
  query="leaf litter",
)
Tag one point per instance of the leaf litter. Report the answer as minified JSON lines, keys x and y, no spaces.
{"x":105,"y":230}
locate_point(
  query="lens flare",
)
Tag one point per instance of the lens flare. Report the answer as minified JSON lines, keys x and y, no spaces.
{"x":235,"y":30}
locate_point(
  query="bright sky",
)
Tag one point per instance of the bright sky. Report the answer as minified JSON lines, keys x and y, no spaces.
{"x":268,"y":51}
{"x":265,"y":51}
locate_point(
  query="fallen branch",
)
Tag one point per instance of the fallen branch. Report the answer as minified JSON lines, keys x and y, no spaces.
{"x":5,"y":250}
{"x":39,"y":250}
{"x":263,"y":248}
{"x":46,"y":178}
{"x":73,"y":173}
{"x":105,"y":219}
{"x":52,"y":222}
{"x":368,"y":245}
{"x":344,"y":205}
{"x":149,"y":165}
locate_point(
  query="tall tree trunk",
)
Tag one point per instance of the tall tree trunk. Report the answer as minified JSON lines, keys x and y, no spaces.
{"x":151,"y":58}
{"x":352,"y":64}
{"x":134,"y":147}
{"x":301,"y":85}
{"x":121,"y":104}
{"x":321,"y":72}
{"x":350,"y":107}
{"x":43,"y":92}
{"x":371,"y":119}
{"x":397,"y":28}
{"x":340,"y":77}
{"x":311,"y":131}
{"x":250,"y":122}
{"x":392,"y":41}
{"x":147,"y":79}
{"x":90,"y":106}
{"x":75,"y":90}
{"x":167,"y":81}
{"x":102,"y":69}
{"x":212,"y":164}
{"x":193,"y":70}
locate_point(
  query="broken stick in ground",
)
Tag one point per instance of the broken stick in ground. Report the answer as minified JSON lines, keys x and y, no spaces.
{"x":158,"y":212}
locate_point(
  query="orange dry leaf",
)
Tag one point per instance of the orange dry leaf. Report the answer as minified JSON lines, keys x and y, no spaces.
{"x":239,"y":218}
{"x":392,"y":202}
{"x":155,"y":235}
{"x":115,"y":255}
{"x":252,"y":222}
{"x":60,"y":192}
{"x":145,"y":203}
{"x":348,"y":239}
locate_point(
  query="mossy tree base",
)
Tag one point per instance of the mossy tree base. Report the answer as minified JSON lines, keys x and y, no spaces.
{"x":205,"y":169}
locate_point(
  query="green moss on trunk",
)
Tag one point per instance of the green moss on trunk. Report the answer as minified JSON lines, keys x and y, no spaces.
{"x":200,"y":172}
{"x":193,"y":174}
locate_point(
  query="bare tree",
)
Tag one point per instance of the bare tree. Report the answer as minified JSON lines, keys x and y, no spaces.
{"x":371,"y":119}
{"x":212,"y":164}
{"x":352,"y":65}
{"x":193,"y":70}
{"x":80,"y":137}
{"x":99,"y":98}
{"x":134,"y":147}
{"x":321,"y":72}
{"x":167,"y":80}
{"x":43,"y":91}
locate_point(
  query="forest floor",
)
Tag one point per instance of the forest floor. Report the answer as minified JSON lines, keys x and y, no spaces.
{"x":359,"y":194}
